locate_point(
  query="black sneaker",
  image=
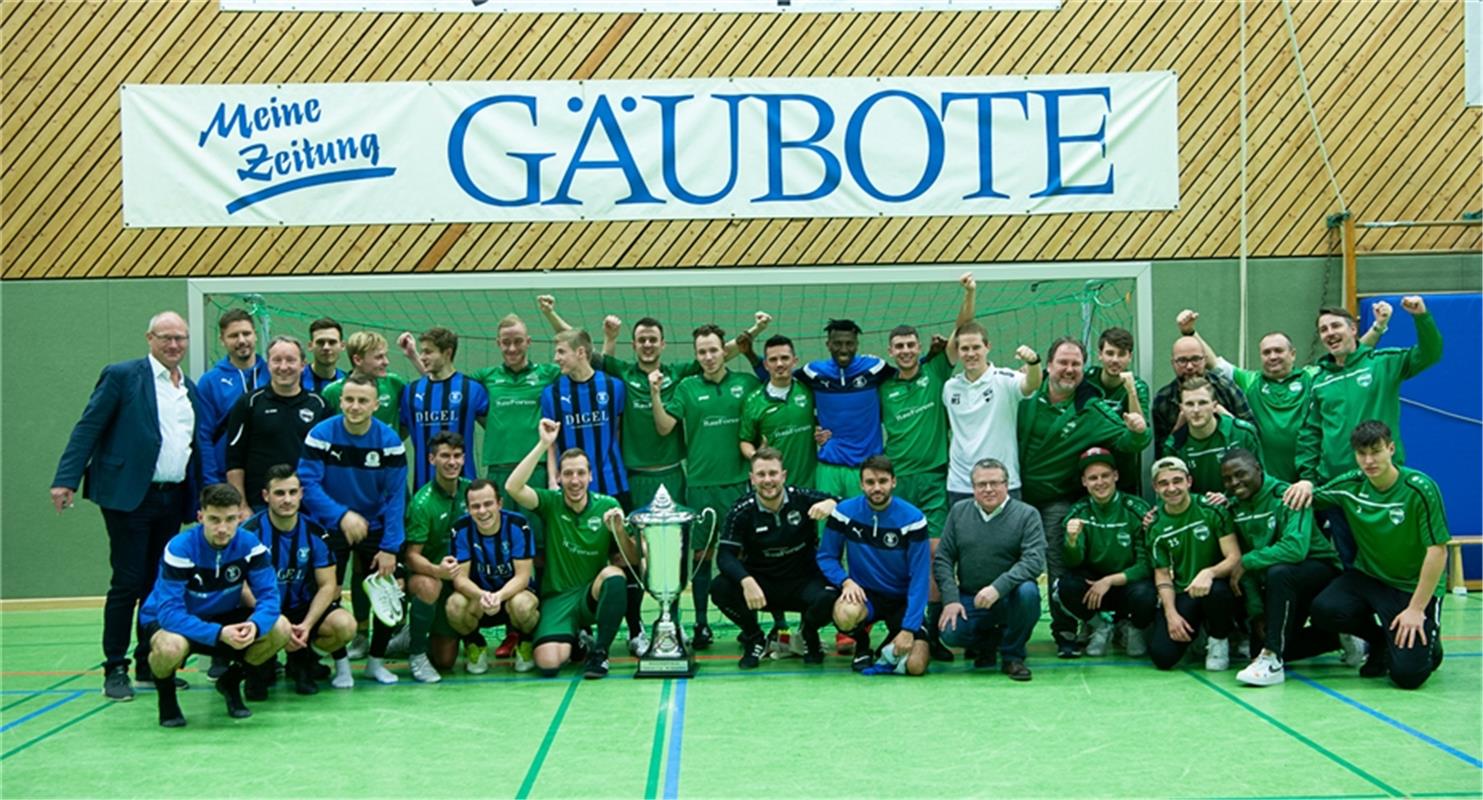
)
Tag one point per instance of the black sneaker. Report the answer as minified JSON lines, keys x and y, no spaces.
{"x":301,"y":669}
{"x":116,"y":685}
{"x":752,"y":651}
{"x":862,"y":661}
{"x":145,"y":678}
{"x":319,"y":670}
{"x":1067,"y":650}
{"x":813,"y":656}
{"x":702,"y":638}
{"x":229,"y":686}
{"x":597,"y":665}
{"x":1377,"y":665}
{"x":987,"y":659}
{"x":582,"y":648}
{"x":1016,"y":670}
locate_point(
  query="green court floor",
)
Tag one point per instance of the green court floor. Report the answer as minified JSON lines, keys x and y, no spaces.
{"x":1106,"y":727}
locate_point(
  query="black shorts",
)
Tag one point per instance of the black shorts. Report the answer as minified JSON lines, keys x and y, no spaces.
{"x":791,"y":593}
{"x":888,"y":608}
{"x":230,"y":618}
{"x":296,"y":615}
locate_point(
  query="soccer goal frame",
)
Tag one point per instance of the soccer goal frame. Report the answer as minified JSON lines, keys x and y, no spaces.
{"x":1141,"y":272}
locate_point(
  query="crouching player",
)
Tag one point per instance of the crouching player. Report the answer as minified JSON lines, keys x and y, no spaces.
{"x":494,"y":552}
{"x":197,"y":603}
{"x":1285,"y":564}
{"x":307,"y":590}
{"x":884,"y":541}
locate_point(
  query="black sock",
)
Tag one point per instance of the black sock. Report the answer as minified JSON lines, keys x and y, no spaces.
{"x":229,"y":685}
{"x":700,"y":586}
{"x":476,"y":638}
{"x":611,"y":597}
{"x":380,"y":638}
{"x":340,"y":653}
{"x":170,"y":714}
{"x":861,"y":635}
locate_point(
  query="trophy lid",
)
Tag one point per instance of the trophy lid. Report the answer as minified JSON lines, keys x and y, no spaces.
{"x":660,"y":510}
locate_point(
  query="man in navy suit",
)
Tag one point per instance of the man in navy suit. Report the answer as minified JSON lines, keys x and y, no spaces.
{"x":136,"y":444}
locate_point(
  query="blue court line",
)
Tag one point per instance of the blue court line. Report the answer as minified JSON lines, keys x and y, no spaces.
{"x":1470,"y":760}
{"x":73,"y":695}
{"x":676,"y":741}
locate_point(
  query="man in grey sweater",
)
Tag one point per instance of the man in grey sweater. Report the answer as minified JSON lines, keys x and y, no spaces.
{"x":991,"y":552}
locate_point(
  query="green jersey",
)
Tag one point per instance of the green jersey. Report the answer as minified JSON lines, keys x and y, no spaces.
{"x":1271,"y":533}
{"x":1129,"y":464}
{"x":914,"y":420}
{"x":1392,"y":528}
{"x":430,"y":517}
{"x":786,"y":423}
{"x":1203,"y":456}
{"x":643,"y":447}
{"x":1278,"y":405}
{"x":1111,"y":539}
{"x":514,"y":409}
{"x":710,"y":414}
{"x":388,"y":399}
{"x":1368,"y":386}
{"x":1052,"y":437}
{"x":1188,"y":542}
{"x":577,"y":543}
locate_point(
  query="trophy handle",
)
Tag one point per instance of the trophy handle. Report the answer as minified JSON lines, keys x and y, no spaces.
{"x":710,"y":539}
{"x":640,"y":544}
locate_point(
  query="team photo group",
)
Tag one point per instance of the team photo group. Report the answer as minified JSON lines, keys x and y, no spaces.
{"x":911,"y":501}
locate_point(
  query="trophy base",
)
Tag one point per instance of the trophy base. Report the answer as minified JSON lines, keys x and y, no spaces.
{"x":667,"y":656}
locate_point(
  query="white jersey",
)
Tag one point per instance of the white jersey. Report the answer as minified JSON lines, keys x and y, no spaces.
{"x":983,"y":415}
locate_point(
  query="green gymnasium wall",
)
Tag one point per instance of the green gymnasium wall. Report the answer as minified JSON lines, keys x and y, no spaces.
{"x":56,"y":335}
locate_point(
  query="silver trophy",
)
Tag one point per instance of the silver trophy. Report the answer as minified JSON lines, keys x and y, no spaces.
{"x":664,"y":530}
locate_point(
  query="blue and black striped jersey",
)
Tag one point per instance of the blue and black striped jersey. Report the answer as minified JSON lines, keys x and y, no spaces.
{"x":430,"y":406}
{"x":589,"y":413}
{"x":295,"y":554}
{"x":492,"y":559}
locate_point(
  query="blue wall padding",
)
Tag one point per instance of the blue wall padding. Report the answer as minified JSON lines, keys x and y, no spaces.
{"x":1448,"y":448}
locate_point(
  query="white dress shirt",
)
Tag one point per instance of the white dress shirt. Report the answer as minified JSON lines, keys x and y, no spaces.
{"x":177,"y":424}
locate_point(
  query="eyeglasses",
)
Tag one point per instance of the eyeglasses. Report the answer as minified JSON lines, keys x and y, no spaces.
{"x":171,"y":338}
{"x":1188,"y":360}
{"x":992,"y":484}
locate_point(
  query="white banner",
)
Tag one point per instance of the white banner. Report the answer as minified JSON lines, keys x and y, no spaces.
{"x":371,"y":153}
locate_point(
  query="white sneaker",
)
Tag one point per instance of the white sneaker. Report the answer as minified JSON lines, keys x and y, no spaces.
{"x":1355,"y":650}
{"x":377,"y":671}
{"x":1101,"y":638}
{"x":401,"y":643}
{"x":525,"y":659}
{"x":422,"y":669}
{"x":1217,"y":655}
{"x":476,"y":659}
{"x":358,"y":647}
{"x":637,"y":645}
{"x":342,"y":679}
{"x":1266,"y":670}
{"x":1137,"y":644}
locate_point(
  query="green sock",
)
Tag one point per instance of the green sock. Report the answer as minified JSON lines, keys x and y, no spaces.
{"x":421,"y":625}
{"x":612,"y":599}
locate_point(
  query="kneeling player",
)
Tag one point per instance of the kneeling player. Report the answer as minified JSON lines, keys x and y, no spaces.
{"x":431,"y":642}
{"x":1106,"y":557}
{"x":307,"y":591}
{"x":1194,"y":551}
{"x":1284,"y":565}
{"x":197,"y":604}
{"x":494,"y":552}
{"x":767,"y":559}
{"x":1400,"y":530}
{"x":580,"y":586}
{"x":884,"y":539}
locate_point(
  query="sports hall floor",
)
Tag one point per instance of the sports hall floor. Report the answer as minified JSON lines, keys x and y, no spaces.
{"x":1105,"y":727}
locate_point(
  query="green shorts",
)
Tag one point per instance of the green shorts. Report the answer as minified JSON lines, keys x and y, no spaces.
{"x":842,"y":482}
{"x":719,"y":499}
{"x":499,"y":473}
{"x":928,"y":492}
{"x":565,"y":613}
{"x":642,"y":485}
